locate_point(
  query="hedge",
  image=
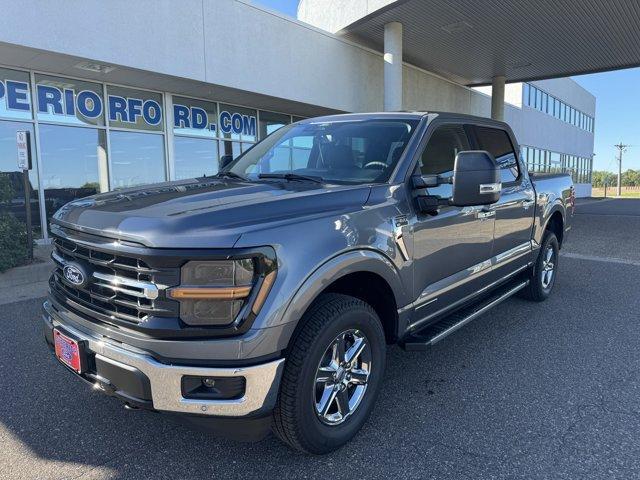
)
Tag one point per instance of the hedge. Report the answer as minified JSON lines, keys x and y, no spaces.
{"x":13,"y":242}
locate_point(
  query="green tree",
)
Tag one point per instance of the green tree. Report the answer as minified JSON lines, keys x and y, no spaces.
{"x":631,"y":178}
{"x":94,"y":185}
{"x":599,"y":178}
{"x":13,"y":242}
{"x":6,"y":189}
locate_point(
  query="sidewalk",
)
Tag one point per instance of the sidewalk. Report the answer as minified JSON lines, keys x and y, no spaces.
{"x":28,"y":281}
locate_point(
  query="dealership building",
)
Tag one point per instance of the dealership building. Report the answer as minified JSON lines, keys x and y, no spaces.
{"x":117,"y":94}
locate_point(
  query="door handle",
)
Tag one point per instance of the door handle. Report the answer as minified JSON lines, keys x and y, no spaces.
{"x":486,"y":213}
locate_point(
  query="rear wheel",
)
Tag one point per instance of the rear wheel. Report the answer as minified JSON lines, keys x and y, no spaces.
{"x":332,"y":375}
{"x":542,"y":276}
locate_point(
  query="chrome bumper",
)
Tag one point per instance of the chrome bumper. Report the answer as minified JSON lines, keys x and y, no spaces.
{"x":262,"y":381}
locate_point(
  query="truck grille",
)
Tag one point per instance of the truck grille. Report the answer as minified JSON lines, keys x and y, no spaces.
{"x":119,"y":287}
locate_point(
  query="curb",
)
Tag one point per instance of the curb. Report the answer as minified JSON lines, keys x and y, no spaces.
{"x":25,"y":275}
{"x":32,"y":273}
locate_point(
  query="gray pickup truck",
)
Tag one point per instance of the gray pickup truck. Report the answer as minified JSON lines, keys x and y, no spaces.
{"x":264,"y":297}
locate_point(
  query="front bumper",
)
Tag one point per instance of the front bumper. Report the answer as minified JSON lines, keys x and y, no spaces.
{"x":140,"y":375}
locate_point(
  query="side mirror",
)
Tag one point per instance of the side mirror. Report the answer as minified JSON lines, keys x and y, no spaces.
{"x":476,"y":179}
{"x":225,"y":160}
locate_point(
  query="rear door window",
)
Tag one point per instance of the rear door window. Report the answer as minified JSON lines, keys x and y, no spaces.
{"x":497,"y":142}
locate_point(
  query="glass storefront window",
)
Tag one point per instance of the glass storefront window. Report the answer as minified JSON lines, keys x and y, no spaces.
{"x":134,"y":109}
{"x":76,"y":122}
{"x":195,"y":157}
{"x":230,"y":148}
{"x":194,"y":117}
{"x":136,"y":158}
{"x":68,"y":101}
{"x":11,"y":179}
{"x":15,"y":95}
{"x":237,"y":123}
{"x":74,"y":164}
{"x":270,"y":122}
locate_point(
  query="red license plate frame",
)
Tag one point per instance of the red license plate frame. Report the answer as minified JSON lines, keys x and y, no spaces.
{"x":69,"y":351}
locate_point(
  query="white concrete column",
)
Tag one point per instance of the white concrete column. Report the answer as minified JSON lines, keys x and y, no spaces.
{"x":497,"y":98}
{"x":393,"y":66}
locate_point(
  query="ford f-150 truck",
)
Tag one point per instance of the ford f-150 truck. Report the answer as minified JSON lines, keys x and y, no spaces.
{"x":264,"y":297}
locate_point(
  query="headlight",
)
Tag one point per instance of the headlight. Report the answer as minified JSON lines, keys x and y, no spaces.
{"x":213,"y":293}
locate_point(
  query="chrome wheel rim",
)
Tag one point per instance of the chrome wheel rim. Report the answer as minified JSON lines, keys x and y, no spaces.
{"x":548,"y":267}
{"x":342,"y":377}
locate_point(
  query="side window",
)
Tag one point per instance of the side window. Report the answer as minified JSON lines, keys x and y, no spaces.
{"x":439,"y":155}
{"x":498,"y":144}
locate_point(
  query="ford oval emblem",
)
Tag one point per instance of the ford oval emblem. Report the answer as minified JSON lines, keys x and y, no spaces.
{"x":74,"y":275}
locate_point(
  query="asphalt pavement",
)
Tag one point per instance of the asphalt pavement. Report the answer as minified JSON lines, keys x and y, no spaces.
{"x":529,"y":390}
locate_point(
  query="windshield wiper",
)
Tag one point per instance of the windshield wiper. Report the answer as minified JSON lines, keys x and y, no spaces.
{"x":230,"y":174}
{"x":291,"y":177}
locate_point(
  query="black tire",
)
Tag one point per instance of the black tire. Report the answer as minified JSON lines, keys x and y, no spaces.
{"x":295,"y":419}
{"x":538,"y":290}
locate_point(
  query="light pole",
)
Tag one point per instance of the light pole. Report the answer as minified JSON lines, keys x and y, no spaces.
{"x":621,"y":149}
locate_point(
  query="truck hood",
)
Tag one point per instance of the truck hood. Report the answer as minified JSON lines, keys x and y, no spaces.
{"x":206,"y":212}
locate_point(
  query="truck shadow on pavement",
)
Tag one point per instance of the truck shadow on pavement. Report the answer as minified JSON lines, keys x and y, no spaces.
{"x":528,"y":390}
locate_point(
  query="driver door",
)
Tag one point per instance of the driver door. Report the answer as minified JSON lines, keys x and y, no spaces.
{"x":452,"y":249}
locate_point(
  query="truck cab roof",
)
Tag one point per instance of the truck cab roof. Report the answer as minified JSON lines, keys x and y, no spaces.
{"x":408,"y":115}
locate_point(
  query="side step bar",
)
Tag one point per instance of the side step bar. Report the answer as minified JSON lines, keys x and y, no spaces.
{"x":424,"y":339}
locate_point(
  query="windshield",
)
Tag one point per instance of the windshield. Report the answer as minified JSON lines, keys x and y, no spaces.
{"x":337,"y":152}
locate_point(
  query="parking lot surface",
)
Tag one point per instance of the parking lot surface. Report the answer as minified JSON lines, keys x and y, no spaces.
{"x":528,"y":390}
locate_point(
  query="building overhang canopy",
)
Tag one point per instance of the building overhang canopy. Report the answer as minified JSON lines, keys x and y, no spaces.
{"x":471,"y":41}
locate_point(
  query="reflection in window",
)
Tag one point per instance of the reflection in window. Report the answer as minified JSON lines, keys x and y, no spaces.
{"x":439,"y":155}
{"x":136,"y":159}
{"x":325,"y":150}
{"x":498,"y":144}
{"x":11,"y":179}
{"x":194,"y":117}
{"x":270,"y":122}
{"x":195,"y":157}
{"x":136,"y":109}
{"x":74,"y":164}
{"x":237,"y":123}
{"x":231,"y":148}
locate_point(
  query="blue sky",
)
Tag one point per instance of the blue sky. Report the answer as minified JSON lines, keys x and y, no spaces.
{"x":288,"y":7}
{"x":617,"y":106}
{"x":617,"y":103}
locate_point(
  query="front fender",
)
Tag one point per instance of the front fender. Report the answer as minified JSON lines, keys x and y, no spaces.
{"x":333,"y":269}
{"x":336,"y":268}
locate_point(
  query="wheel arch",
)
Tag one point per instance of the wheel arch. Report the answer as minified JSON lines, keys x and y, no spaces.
{"x":348,"y":274}
{"x":555,"y":221}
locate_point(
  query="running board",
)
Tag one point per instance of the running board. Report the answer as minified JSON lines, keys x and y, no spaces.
{"x":424,"y":339}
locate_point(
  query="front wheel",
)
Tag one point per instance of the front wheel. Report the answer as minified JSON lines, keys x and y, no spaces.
{"x":542,"y":276}
{"x":332,"y":375}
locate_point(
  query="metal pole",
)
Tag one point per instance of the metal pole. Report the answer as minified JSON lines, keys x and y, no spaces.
{"x":621,"y":149}
{"x":620,"y":173}
{"x":27,"y":207}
